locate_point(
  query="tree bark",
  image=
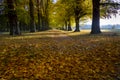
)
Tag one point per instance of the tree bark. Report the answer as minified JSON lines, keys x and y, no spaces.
{"x":43,"y":23}
{"x":17,"y":31}
{"x":66,"y":26}
{"x":39,"y":15}
{"x":32,"y":22}
{"x":96,"y":17}
{"x":45,"y":14}
{"x":69,"y":25}
{"x":13,"y":19}
{"x":77,"y":24}
{"x":77,"y":17}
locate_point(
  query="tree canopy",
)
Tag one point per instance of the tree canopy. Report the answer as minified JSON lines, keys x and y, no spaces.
{"x":42,"y":15}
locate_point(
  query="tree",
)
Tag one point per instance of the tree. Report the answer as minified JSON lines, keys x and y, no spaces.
{"x":80,"y":9}
{"x":96,"y":13}
{"x":39,"y":14}
{"x":32,"y":21}
{"x":22,"y":10}
{"x":12,"y":17}
{"x":96,"y":17}
{"x":45,"y":14}
{"x":73,"y":8}
{"x":69,"y":25}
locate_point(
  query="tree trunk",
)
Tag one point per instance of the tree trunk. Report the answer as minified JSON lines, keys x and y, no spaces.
{"x":69,"y":25}
{"x":12,"y":17}
{"x":66,"y":26}
{"x":17,"y":31}
{"x":45,"y":14}
{"x":43,"y":23}
{"x":77,"y":24}
{"x":96,"y":17}
{"x":32,"y":22}
{"x":39,"y":15}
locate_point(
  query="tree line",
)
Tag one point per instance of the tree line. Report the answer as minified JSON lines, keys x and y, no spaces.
{"x":25,"y":15}
{"x":39,"y":15}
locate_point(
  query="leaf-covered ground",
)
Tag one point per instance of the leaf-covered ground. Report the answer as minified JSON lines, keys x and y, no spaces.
{"x":59,"y":55}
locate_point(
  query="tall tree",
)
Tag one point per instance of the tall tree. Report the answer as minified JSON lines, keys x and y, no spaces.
{"x":12,"y":17}
{"x":39,"y":14}
{"x":96,"y":12}
{"x":76,"y":9}
{"x":32,"y":20}
{"x":96,"y":17}
{"x":69,"y":24}
{"x":43,"y":14}
{"x":80,"y":9}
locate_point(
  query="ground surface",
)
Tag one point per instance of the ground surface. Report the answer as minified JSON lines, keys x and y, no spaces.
{"x":58,"y":55}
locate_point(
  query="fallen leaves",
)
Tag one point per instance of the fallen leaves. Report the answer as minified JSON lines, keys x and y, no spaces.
{"x":83,"y":58}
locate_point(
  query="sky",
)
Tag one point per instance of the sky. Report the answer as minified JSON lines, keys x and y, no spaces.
{"x":112,"y":21}
{"x":54,"y":1}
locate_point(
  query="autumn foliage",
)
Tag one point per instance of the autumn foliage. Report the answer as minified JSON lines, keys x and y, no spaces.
{"x":59,"y":56}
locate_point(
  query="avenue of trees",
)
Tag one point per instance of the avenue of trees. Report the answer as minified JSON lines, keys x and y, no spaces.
{"x":39,"y":15}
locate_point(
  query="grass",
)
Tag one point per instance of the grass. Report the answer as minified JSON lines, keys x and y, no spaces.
{"x":60,"y":55}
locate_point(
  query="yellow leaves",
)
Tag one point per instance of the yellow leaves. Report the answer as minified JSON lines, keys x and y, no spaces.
{"x":50,"y":68}
{"x":61,"y":66}
{"x":84,"y":58}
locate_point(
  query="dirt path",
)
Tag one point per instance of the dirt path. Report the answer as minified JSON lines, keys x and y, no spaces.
{"x":61,"y":39}
{"x":59,"y":35}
